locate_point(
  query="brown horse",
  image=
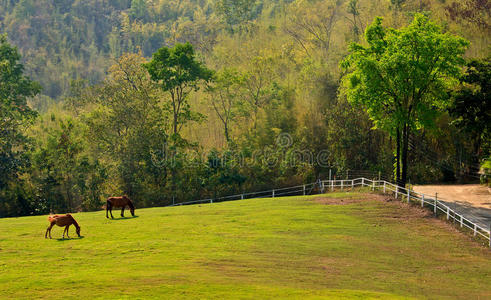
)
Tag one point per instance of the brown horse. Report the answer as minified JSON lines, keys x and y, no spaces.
{"x":61,"y":221}
{"x":119,"y":202}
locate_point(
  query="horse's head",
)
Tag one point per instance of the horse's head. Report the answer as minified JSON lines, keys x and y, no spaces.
{"x":132,"y":207}
{"x":78,"y":231}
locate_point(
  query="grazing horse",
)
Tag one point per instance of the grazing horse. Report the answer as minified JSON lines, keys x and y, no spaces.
{"x":61,"y":221}
{"x":119,"y":202}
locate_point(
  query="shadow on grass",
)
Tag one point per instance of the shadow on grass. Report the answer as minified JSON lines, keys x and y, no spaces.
{"x":123,"y":218}
{"x":69,"y":239}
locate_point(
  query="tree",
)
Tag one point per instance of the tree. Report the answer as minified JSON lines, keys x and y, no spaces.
{"x":225,"y":97}
{"x":236,"y":12}
{"x":354,"y":11}
{"x":260,"y":85}
{"x":15,"y":116}
{"x":55,"y":165}
{"x":138,"y":9}
{"x":471,"y":105}
{"x":126,"y":122}
{"x":178,"y":73}
{"x":402,"y":78}
{"x":312,"y":25}
{"x":474,"y":12}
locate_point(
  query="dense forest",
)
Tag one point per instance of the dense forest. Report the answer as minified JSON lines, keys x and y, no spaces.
{"x":172,"y":100}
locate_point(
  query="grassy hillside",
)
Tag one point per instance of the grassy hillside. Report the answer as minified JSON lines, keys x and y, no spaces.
{"x":285,"y":247}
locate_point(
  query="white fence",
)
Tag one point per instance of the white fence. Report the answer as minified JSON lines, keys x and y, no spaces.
{"x":322,"y":186}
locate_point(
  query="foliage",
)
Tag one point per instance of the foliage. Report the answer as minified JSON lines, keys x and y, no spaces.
{"x":15,"y":117}
{"x":107,"y":128}
{"x":486,"y":168}
{"x":471,"y":105}
{"x":402,"y":77}
{"x":236,"y":12}
{"x":177,"y":72}
{"x":225,"y":97}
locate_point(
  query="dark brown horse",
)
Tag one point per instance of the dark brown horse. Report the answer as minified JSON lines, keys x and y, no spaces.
{"x":119,"y":202}
{"x":62,"y":221}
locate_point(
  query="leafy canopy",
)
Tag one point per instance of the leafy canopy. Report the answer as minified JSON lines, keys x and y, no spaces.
{"x":15,"y":88}
{"x":178,"y":72}
{"x":15,"y":114}
{"x":402,"y":76}
{"x":177,"y":68}
{"x":471,"y":106}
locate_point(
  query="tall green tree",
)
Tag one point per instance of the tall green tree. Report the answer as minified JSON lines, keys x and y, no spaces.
{"x":178,"y":73}
{"x":126,"y":123}
{"x":402,"y":78}
{"x":15,"y":116}
{"x":225,"y":97}
{"x":471,"y":106}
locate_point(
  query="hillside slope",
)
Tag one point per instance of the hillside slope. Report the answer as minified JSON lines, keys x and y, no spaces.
{"x":347,"y":245}
{"x":65,"y":40}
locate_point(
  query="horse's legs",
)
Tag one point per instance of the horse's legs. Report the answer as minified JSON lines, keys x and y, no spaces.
{"x":67,"y":227}
{"x":48,"y":230}
{"x":122,"y":212}
{"x":111,"y":211}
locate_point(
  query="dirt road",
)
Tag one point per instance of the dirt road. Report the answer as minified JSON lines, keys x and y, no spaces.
{"x":467,"y":194}
{"x":473,"y":201}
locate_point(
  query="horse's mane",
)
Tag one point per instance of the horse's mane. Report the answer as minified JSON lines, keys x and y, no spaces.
{"x":74,"y":221}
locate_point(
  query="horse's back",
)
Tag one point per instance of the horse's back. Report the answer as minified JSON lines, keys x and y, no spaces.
{"x":61,"y":220}
{"x":118,"y":201}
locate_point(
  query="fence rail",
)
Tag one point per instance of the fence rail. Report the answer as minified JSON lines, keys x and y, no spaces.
{"x":322,"y":186}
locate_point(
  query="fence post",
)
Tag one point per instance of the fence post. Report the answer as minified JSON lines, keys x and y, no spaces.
{"x":373,"y":185}
{"x":341,"y":184}
{"x":384,"y":186}
{"x":330,"y":175}
{"x":304,"y":189}
{"x":273,"y":193}
{"x":436,"y":203}
{"x":352,"y":184}
{"x":423,"y":200}
{"x":408,"y":194}
{"x":475,"y":229}
{"x":241,"y":196}
{"x":461,"y":221}
{"x":211,"y":200}
{"x":397,"y":190}
{"x":448,"y":213}
{"x":332,"y":185}
{"x":362,"y":182}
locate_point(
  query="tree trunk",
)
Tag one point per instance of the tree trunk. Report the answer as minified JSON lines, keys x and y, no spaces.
{"x":227,"y":138}
{"x":405,"y":146}
{"x":175,"y":123}
{"x":398,"y":156}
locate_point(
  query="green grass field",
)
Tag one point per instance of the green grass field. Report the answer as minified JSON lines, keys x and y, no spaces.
{"x":294,"y":247}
